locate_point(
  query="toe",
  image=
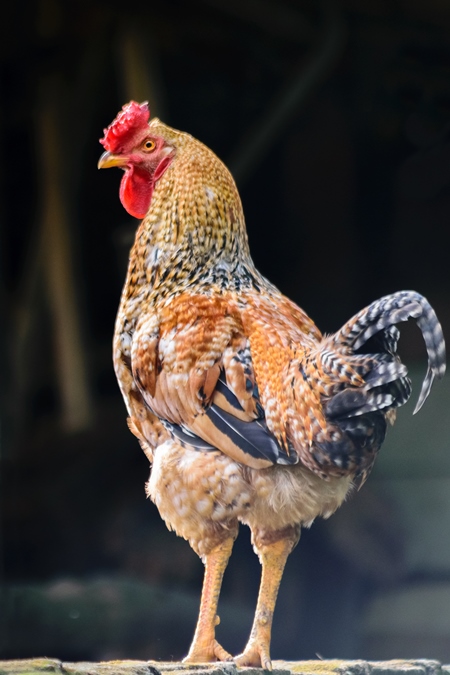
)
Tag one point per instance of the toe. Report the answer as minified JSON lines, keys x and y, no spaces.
{"x":221,"y":653}
{"x":255,"y":656}
{"x":214,"y":652}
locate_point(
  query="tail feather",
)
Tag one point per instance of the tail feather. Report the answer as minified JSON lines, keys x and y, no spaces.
{"x":383,"y":314}
{"x":386,"y":370}
{"x":355,"y":402}
{"x":364,"y":381}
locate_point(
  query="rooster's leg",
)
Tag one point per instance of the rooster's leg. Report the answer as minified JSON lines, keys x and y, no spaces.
{"x":273,"y":553}
{"x":204,"y":647}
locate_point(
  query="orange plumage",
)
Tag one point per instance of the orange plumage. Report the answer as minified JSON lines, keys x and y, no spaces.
{"x":246,"y":412}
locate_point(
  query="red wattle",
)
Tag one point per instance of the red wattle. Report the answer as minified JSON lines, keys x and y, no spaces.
{"x":136,"y":190}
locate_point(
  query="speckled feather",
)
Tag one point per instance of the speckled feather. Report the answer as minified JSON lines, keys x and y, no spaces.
{"x":245,"y":410}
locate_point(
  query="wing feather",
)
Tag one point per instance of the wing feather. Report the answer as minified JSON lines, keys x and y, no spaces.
{"x":205,"y":390}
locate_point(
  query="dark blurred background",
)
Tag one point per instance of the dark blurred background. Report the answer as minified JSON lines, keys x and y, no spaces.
{"x":335,"y":120}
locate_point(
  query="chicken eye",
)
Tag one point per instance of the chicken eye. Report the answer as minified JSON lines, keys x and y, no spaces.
{"x":149,"y":145}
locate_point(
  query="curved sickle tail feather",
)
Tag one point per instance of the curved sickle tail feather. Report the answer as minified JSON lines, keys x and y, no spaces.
{"x":385,"y":313}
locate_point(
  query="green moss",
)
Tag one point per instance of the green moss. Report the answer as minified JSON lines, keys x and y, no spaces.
{"x":316,"y":667}
{"x":30,"y":666}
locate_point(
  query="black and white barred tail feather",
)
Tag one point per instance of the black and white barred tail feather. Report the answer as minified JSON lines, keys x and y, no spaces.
{"x":380,"y":318}
{"x":357,"y":411}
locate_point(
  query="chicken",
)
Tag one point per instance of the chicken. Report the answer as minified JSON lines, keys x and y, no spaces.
{"x":247,"y":413}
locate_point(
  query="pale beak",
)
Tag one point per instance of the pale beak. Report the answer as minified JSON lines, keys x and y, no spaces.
{"x":107,"y":160}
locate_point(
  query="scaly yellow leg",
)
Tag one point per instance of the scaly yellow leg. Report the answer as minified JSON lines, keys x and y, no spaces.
{"x":273,"y":558}
{"x":204,"y":647}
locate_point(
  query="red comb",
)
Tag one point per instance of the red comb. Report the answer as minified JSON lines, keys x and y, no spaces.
{"x":132,"y":117}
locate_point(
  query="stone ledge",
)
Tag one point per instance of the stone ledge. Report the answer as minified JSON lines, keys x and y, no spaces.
{"x":337,"y":667}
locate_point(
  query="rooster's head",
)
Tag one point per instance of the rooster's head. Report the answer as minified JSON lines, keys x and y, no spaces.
{"x":130,"y":145}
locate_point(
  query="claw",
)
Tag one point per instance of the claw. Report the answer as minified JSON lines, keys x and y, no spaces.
{"x":256,"y":656}
{"x":214,"y":653}
{"x":221,"y":653}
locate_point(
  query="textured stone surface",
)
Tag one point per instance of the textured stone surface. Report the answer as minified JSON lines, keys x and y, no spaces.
{"x":43,"y":665}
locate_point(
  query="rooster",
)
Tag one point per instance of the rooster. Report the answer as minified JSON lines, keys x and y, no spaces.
{"x":245,"y":410}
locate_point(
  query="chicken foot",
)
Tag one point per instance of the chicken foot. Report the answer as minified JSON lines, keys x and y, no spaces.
{"x":273,"y":555}
{"x":204,"y":647}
